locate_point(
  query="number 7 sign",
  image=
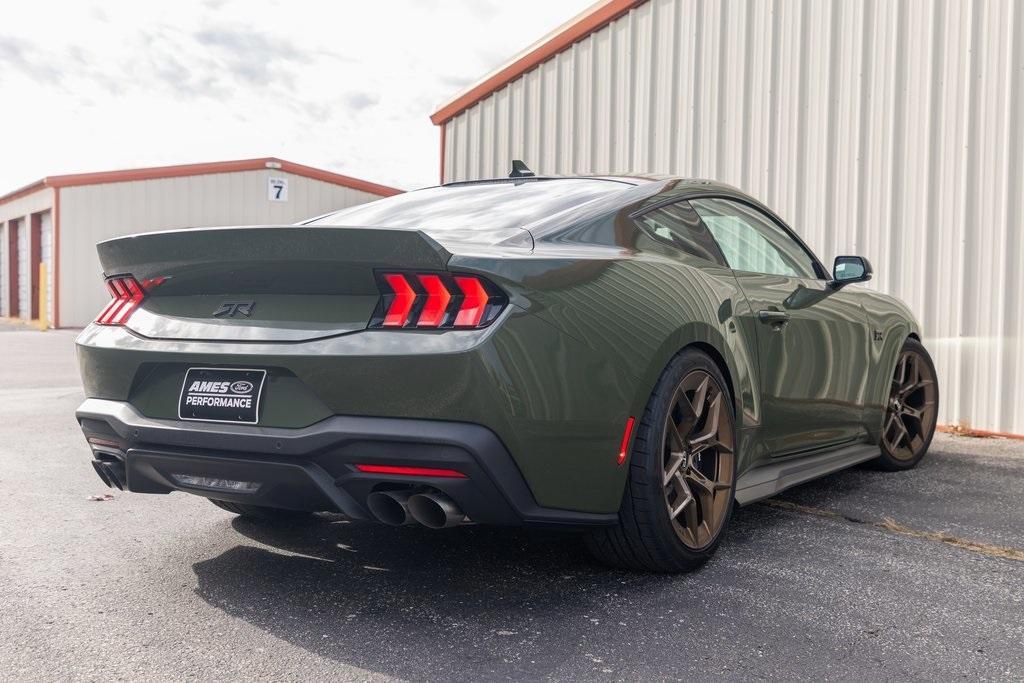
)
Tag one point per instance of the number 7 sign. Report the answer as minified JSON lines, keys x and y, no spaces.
{"x":277,"y":189}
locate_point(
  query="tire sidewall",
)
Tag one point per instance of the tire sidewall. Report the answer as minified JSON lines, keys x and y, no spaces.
{"x":886,"y":460}
{"x":657,"y":414}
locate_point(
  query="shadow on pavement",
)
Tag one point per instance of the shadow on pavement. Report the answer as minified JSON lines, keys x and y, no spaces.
{"x":470,"y":603}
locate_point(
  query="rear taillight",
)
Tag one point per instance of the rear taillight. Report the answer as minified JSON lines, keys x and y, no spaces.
{"x":126,"y":295}
{"x":436,"y":301}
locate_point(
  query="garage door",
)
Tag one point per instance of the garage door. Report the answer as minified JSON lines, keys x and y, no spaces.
{"x":24,"y":268}
{"x":46,"y":256}
{"x":5,"y":265}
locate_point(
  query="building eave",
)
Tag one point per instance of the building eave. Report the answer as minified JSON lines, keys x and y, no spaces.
{"x":592,"y":19}
{"x":161,"y":172}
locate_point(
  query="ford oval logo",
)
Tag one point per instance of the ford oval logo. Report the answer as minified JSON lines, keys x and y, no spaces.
{"x":241,"y":387}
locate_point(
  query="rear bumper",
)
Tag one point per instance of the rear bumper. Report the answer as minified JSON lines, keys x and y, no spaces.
{"x":313,"y":468}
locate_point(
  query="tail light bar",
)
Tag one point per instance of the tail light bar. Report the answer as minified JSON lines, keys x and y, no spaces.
{"x":126,"y":295}
{"x":436,"y":301}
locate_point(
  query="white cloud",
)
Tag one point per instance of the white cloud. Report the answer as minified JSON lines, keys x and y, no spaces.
{"x":347,"y":86}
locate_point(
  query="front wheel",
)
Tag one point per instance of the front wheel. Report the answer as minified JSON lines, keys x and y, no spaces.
{"x":682,"y":474}
{"x":912,"y":408}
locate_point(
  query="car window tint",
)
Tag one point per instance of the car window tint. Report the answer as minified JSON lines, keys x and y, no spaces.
{"x":678,"y":225}
{"x":481,"y":205}
{"x":751,"y":241}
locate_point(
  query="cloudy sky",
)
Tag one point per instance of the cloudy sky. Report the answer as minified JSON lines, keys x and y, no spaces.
{"x":343,"y":85}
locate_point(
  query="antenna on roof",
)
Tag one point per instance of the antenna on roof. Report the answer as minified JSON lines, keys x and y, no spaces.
{"x":519,"y":170}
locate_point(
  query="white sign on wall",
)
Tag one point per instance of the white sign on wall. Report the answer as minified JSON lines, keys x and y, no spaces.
{"x":277,"y":189}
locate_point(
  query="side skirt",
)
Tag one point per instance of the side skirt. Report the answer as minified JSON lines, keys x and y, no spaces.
{"x":768,"y":480}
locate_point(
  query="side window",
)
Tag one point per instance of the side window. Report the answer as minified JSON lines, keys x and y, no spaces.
{"x":753,"y":242}
{"x":678,"y":225}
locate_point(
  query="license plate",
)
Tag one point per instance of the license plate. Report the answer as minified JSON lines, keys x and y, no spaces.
{"x":221,"y":395}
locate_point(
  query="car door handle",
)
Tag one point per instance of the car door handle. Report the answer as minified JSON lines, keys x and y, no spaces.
{"x":773,"y":317}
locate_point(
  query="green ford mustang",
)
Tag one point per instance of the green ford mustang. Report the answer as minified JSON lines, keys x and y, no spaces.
{"x":627,"y":357}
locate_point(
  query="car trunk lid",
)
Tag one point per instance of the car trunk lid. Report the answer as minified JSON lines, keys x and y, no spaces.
{"x":266,"y":283}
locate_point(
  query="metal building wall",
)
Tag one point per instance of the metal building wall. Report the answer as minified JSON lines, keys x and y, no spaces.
{"x":92,"y":213}
{"x":891,"y":129}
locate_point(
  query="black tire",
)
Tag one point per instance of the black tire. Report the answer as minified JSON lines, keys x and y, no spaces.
{"x":898,"y":460}
{"x":644,"y":538}
{"x":259,"y":512}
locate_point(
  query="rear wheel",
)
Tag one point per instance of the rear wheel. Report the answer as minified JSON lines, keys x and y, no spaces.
{"x":912,"y":409}
{"x":682,"y":472}
{"x":259,"y":511}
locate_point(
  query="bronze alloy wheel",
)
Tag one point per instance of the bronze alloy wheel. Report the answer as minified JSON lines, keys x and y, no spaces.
{"x":911,"y":413}
{"x":698,"y":459}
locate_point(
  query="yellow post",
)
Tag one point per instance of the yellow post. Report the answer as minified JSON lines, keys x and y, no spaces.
{"x":43,"y":298}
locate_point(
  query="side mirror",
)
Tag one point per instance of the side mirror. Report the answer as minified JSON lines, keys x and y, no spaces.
{"x":850,"y":269}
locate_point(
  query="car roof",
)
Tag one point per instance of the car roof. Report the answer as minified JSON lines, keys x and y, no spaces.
{"x":625,"y":178}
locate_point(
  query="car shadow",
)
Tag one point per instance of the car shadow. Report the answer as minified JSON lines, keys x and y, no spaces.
{"x":467,"y":603}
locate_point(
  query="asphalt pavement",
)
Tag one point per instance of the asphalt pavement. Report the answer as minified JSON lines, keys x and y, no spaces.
{"x":863,"y":575}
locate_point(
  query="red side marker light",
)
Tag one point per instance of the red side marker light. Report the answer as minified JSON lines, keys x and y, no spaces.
{"x":624,"y":446}
{"x":411,"y":471}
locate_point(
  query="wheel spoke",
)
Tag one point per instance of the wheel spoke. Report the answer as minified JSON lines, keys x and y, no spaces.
{"x":684,"y":497}
{"x":901,"y":429}
{"x":715,"y":443}
{"x":701,"y":480}
{"x":675,"y":461}
{"x":711,"y":424}
{"x":699,"y":429}
{"x":908,"y":425}
{"x":912,"y":413}
{"x":903,"y":392}
{"x":901,"y":370}
{"x":692,"y":410}
{"x":677,"y":442}
{"x":690,"y":519}
{"x":887,"y":431}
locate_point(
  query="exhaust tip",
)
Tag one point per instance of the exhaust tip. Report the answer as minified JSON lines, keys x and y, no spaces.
{"x":112,"y":473}
{"x":390,"y":507}
{"x":101,"y":472}
{"x":435,"y":511}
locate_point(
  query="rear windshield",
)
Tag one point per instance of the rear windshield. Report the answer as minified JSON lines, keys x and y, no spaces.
{"x":484,"y":205}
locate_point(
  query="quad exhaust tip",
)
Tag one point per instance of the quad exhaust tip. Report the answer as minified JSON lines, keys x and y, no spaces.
{"x":112,"y":473}
{"x":435,"y":510}
{"x":399,"y":508}
{"x":390,"y":507}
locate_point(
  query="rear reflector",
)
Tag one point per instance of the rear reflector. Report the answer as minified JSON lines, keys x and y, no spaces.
{"x":215,"y":483}
{"x":436,"y":300}
{"x":108,"y":443}
{"x":411,"y":471}
{"x":126,"y":295}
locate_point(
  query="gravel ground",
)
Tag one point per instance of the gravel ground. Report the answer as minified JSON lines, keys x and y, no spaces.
{"x":812,"y":585}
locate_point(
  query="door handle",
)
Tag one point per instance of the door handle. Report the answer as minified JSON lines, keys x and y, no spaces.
{"x":773,"y":317}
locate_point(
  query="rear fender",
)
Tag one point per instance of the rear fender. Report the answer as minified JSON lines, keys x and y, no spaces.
{"x":739,"y":372}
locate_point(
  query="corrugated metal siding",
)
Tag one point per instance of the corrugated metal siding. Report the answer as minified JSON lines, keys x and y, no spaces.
{"x":894,"y":130}
{"x":92,"y":213}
